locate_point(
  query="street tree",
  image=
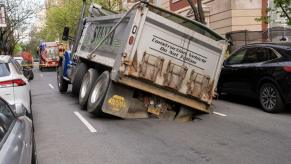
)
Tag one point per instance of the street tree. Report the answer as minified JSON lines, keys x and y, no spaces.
{"x":18,"y":15}
{"x":68,"y":15}
{"x":197,"y":10}
{"x":281,"y":7}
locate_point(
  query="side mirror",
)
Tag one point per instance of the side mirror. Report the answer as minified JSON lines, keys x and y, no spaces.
{"x":20,"y":110}
{"x":66,"y":33}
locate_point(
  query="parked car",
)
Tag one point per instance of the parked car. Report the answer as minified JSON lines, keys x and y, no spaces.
{"x":260,"y":71}
{"x":17,"y":145}
{"x":27,"y":69}
{"x":14,"y":87}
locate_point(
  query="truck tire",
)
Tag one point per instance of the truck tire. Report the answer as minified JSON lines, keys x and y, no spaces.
{"x":98,"y":93}
{"x":270,"y":98}
{"x":87,"y":83}
{"x":82,"y":68}
{"x":62,"y":83}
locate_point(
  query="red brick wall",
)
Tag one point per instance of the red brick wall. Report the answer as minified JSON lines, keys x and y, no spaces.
{"x":179,"y":4}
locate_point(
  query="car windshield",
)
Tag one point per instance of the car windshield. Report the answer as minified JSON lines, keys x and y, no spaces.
{"x":4,"y":70}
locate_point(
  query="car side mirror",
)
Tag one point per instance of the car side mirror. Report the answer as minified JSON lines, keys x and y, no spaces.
{"x":66,"y":33}
{"x":20,"y":110}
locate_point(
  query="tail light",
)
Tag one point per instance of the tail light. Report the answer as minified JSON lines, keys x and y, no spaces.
{"x":287,"y":68}
{"x":12,"y":83}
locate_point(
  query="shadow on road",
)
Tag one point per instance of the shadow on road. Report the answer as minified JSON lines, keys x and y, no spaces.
{"x":248,"y":102}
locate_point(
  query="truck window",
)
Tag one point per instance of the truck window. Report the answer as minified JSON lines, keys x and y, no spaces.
{"x":52,"y":52}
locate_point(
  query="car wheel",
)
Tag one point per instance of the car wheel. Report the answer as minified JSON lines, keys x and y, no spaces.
{"x":82,"y":68}
{"x":98,"y":93}
{"x":270,"y":98}
{"x":62,"y":83}
{"x":87,"y":83}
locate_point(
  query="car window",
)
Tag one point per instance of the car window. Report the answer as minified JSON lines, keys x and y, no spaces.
{"x":6,"y":119}
{"x":255,"y":55}
{"x":17,"y":66}
{"x":237,"y":57}
{"x":251,"y":56}
{"x":4,"y":70}
{"x":284,"y":52}
{"x":19,"y":61}
{"x":271,"y":54}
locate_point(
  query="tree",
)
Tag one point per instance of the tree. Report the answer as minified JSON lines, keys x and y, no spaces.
{"x":281,"y":7}
{"x":18,"y":14}
{"x":68,"y":15}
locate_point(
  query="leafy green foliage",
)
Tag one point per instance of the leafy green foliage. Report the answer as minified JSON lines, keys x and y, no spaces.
{"x":285,"y":6}
{"x":68,"y":15}
{"x":281,"y":7}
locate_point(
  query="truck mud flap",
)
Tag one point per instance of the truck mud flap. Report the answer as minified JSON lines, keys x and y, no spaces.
{"x":119,"y":102}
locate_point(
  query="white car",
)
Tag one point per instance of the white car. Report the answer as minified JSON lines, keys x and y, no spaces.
{"x":14,"y":87}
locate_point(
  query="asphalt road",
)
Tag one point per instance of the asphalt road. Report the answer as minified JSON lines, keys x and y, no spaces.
{"x":236,"y":134}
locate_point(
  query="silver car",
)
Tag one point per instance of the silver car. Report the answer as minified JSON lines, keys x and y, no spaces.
{"x":17,"y":144}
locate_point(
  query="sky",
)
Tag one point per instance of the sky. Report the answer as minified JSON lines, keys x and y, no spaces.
{"x":34,"y":21}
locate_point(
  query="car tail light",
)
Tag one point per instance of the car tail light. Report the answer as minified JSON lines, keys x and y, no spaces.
{"x":287,"y":68}
{"x":12,"y":83}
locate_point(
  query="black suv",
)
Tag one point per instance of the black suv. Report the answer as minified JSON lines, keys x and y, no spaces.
{"x":261,"y":71}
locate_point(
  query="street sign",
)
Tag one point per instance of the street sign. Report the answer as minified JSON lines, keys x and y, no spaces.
{"x":2,"y":16}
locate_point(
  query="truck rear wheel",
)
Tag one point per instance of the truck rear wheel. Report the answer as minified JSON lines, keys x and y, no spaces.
{"x":62,"y":83}
{"x":98,"y":94}
{"x":82,"y":68}
{"x":87,"y":83}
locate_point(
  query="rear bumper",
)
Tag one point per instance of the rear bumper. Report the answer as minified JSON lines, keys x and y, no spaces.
{"x":49,"y":65}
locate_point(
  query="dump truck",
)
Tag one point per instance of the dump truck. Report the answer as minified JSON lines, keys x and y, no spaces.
{"x":145,"y":62}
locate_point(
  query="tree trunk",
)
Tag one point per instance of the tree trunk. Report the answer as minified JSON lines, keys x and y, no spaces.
{"x":195,"y":10}
{"x":201,"y":12}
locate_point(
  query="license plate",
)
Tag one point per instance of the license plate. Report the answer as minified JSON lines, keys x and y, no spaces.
{"x":54,"y":63}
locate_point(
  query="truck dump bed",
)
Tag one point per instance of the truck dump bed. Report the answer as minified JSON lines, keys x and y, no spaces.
{"x":159,"y":52}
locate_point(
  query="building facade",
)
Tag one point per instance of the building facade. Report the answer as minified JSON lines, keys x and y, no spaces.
{"x":225,"y":16}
